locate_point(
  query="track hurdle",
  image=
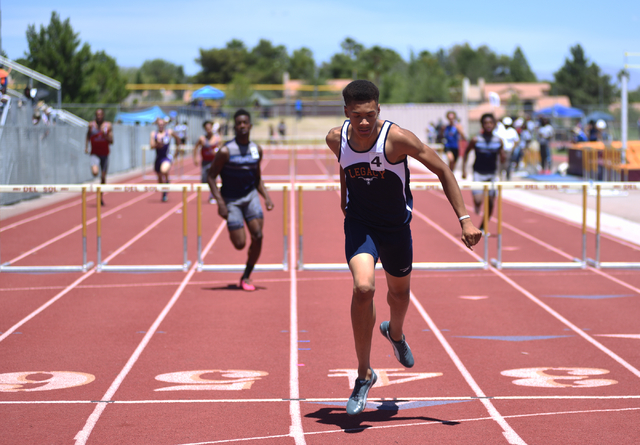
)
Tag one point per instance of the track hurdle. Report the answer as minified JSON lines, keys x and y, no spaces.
{"x":48,"y":189}
{"x":103,"y":266}
{"x":576,"y":263}
{"x":202,"y":267}
{"x":618,"y":186}
{"x":341,"y":267}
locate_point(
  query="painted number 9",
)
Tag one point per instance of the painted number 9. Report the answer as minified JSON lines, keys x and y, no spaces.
{"x":42,"y":380}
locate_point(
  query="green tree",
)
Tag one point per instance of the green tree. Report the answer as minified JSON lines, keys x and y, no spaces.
{"x":221,"y":65}
{"x":56,"y":51}
{"x":376,"y":61}
{"x":302,"y":65}
{"x":267,"y":63}
{"x":582,"y":81}
{"x":519,"y":69}
{"x":161,"y":71}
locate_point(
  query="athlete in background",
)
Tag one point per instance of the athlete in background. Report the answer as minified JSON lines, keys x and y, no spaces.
{"x":160,"y":141}
{"x":100,"y":135}
{"x":452,"y":134}
{"x":489,"y":149}
{"x":237,"y":163}
{"x":207,"y":146}
{"x":377,"y":203}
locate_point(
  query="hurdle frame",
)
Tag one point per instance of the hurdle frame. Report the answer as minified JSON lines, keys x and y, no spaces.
{"x":49,"y":189}
{"x":343,"y":267}
{"x":103,"y":266}
{"x":543,"y":186}
{"x":595,"y":262}
{"x":284,"y":266}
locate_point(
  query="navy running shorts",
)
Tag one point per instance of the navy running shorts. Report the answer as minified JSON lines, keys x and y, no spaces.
{"x":243,"y":209}
{"x":393,"y":248}
{"x":102,"y":161}
{"x":159,"y":162}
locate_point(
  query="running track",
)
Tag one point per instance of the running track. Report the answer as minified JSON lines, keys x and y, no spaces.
{"x":520,"y":357}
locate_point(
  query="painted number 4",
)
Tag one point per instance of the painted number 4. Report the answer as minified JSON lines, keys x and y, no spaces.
{"x":559,"y":377}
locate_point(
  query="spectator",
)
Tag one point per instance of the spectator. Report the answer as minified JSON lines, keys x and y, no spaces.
{"x":522,"y":146}
{"x":4,"y":79}
{"x":545,"y":136}
{"x":510,"y":139}
{"x":592,"y":131}
{"x":282,"y":129}
{"x":299,"y":109}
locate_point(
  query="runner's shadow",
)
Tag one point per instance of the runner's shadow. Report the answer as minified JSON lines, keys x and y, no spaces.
{"x":233,"y":287}
{"x":354,"y":424}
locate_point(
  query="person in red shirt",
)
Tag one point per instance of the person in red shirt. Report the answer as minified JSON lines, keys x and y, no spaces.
{"x":100,"y":135}
{"x":206,"y":147}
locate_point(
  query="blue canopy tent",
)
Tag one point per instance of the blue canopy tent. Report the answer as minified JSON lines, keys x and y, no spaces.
{"x":208,"y":92}
{"x":148,"y":116}
{"x":560,"y":111}
{"x":596,"y":115}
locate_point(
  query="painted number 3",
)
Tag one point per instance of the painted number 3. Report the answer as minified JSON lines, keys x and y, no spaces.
{"x":559,"y":377}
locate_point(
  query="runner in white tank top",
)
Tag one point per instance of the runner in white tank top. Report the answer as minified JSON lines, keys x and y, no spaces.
{"x":374,"y":178}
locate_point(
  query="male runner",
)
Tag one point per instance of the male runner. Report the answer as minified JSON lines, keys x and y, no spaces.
{"x":160,"y":141}
{"x":452,"y":134}
{"x":207,"y":146}
{"x":100,"y":134}
{"x":488,"y":148}
{"x":238,"y":164}
{"x":377,"y":204}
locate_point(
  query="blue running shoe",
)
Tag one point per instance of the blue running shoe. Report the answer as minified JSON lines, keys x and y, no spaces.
{"x":358,"y":399}
{"x":401,"y":349}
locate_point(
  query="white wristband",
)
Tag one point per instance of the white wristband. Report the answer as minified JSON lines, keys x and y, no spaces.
{"x":463,"y":218}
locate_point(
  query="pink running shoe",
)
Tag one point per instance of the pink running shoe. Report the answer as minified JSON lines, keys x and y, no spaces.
{"x":246,"y":285}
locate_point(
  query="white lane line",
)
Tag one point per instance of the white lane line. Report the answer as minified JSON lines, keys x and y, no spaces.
{"x":295,"y":429}
{"x":312,"y":400}
{"x":547,"y":308}
{"x":508,"y":432}
{"x":77,"y":228}
{"x":408,"y":425}
{"x":46,"y":213}
{"x":89,"y":273}
{"x":83,"y":435}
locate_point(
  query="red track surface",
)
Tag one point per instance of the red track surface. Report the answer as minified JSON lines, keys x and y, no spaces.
{"x":186,"y":358}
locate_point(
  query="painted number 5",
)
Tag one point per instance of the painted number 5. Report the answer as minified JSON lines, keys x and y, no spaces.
{"x":559,"y":377}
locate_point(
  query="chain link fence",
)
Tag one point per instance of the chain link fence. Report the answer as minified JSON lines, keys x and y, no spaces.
{"x":55,"y":153}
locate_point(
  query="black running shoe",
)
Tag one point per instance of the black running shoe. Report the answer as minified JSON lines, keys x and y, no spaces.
{"x":401,"y":349}
{"x":358,"y":400}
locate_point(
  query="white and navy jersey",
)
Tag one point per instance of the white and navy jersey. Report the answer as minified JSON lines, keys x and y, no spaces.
{"x":240,"y":174}
{"x":378,"y":191}
{"x":487,"y":150}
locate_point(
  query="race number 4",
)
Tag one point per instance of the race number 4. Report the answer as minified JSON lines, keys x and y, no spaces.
{"x":376,"y":161}
{"x":42,"y":380}
{"x":559,"y":377}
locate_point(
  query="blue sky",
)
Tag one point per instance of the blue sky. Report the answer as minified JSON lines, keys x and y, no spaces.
{"x":133,"y":32}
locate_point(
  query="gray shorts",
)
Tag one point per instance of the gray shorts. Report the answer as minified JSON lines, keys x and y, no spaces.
{"x":243,"y":209}
{"x":481,"y":177}
{"x":205,"y":171}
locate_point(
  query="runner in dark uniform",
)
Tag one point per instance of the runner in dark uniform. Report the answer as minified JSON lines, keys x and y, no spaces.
{"x":237,"y":163}
{"x":100,"y":135}
{"x":377,"y":204}
{"x":160,"y":141}
{"x":488,"y":148}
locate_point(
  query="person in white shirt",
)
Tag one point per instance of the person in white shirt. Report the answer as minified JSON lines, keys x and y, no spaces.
{"x":510,"y":139}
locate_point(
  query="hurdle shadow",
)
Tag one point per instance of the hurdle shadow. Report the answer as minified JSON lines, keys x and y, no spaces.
{"x":337,"y":416}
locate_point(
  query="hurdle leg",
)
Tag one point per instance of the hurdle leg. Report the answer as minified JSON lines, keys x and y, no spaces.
{"x":499,"y":254}
{"x":285,"y":227}
{"x":300,"y":232}
{"x":486,"y":226}
{"x":199,"y":223}
{"x":99,"y":229}
{"x":185,"y":259}
{"x":584,"y":225}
